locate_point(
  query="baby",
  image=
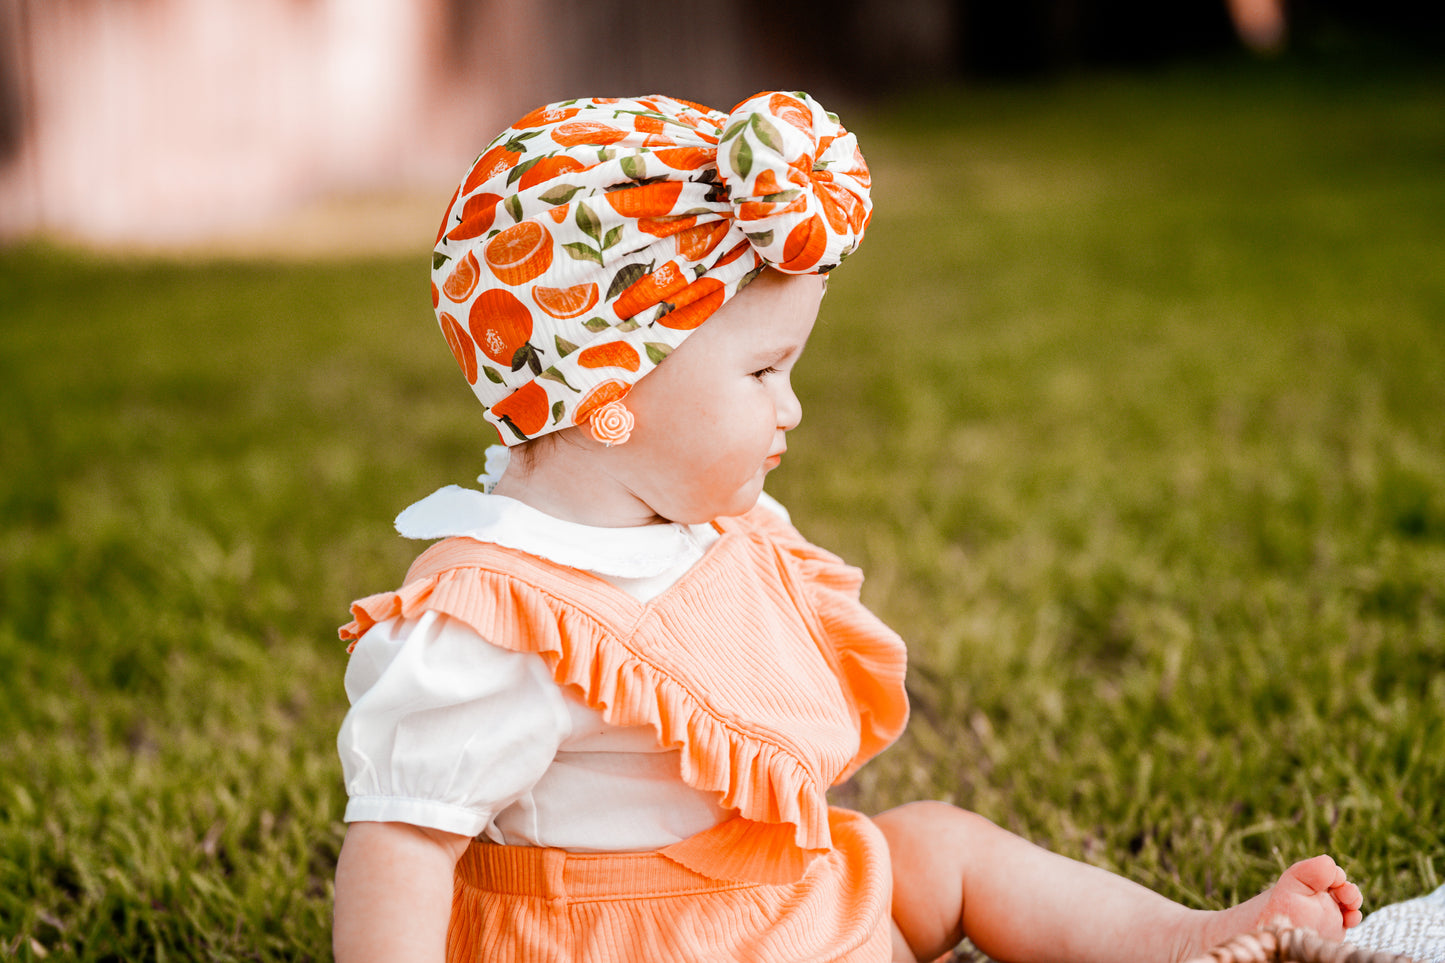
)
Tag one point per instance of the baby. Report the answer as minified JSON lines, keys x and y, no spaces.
{"x":599,"y":720}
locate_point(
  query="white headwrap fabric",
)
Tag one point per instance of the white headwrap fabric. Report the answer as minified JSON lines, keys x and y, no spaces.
{"x":593,"y":236}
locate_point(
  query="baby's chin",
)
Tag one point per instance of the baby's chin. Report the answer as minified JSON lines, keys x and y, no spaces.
{"x":705,"y":511}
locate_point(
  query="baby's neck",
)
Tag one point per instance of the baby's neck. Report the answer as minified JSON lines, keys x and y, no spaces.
{"x":551,"y":485}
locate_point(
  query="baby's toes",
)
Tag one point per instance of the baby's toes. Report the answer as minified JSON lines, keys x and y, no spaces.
{"x":1349,"y":898}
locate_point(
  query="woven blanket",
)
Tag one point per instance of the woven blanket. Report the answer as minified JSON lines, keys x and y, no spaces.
{"x":1414,"y":928}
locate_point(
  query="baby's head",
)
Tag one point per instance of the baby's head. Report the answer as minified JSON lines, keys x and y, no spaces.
{"x":594,"y":238}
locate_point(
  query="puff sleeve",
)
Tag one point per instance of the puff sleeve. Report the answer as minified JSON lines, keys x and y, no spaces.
{"x":445,"y":730}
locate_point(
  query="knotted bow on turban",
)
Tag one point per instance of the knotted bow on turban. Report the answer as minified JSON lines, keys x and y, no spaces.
{"x":593,"y":236}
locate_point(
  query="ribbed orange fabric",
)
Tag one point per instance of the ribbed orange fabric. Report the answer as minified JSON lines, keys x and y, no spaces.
{"x":528,"y":905}
{"x":759,"y":664}
{"x":763,"y":668}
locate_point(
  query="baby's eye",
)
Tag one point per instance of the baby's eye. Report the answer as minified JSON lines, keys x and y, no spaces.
{"x":762,"y":373}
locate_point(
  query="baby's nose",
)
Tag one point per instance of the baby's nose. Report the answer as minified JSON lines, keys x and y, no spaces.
{"x":789,"y":408}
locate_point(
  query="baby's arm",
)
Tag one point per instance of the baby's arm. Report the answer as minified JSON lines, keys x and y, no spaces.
{"x":394,"y":892}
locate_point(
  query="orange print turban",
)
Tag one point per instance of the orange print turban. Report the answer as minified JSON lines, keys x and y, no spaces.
{"x":593,"y":236}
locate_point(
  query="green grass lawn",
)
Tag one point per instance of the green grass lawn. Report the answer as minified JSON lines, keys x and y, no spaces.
{"x":1132,"y":407}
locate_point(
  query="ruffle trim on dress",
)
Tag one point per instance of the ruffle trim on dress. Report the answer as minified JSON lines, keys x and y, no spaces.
{"x":759,"y":780}
{"x":765,"y":783}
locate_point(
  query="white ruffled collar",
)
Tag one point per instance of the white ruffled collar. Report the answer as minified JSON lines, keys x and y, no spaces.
{"x":644,"y":551}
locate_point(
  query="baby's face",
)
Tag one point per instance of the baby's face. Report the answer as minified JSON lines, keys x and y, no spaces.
{"x":712,"y":420}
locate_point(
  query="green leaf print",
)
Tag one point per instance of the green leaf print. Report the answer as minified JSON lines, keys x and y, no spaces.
{"x":513,"y":206}
{"x":587,"y":220}
{"x":560,"y":194}
{"x":634,"y":167}
{"x":491,"y":374}
{"x":528,"y":356}
{"x":564,"y":347}
{"x":767,"y":133}
{"x":515,"y":173}
{"x":741,"y":156}
{"x":733,"y":131}
{"x":596,"y":324}
{"x":552,"y":374}
{"x":581,"y":251}
{"x":626,"y":278}
{"x":613,"y":236}
{"x":507,"y":420}
{"x":656,"y":351}
{"x":558,"y":410}
{"x":438,"y":259}
{"x":760,"y":238}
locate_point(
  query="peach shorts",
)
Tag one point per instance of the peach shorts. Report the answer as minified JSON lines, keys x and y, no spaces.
{"x":523,"y":904}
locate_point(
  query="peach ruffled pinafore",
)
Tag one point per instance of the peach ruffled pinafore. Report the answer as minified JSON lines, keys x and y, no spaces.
{"x":764,"y":669}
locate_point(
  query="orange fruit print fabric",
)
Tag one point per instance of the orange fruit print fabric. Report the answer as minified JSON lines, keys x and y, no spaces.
{"x":592,"y":236}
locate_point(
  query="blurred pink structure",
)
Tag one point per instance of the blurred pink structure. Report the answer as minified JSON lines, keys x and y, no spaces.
{"x":1260,"y":24}
{"x":168,"y":120}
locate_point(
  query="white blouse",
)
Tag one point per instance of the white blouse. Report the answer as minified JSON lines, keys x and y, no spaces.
{"x":451,"y":732}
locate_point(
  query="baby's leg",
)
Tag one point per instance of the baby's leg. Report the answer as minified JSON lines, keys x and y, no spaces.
{"x":957,"y":874}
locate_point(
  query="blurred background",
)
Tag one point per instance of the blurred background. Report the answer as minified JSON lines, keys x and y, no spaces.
{"x":170,"y":121}
{"x":1129,"y":408}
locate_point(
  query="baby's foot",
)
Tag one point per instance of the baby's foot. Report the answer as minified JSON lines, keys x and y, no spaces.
{"x":1313,"y":894}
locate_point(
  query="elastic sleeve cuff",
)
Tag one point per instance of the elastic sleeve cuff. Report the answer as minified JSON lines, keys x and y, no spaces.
{"x":417,"y":812}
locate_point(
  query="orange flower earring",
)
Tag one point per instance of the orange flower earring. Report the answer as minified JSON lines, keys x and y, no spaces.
{"x":611,"y":424}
